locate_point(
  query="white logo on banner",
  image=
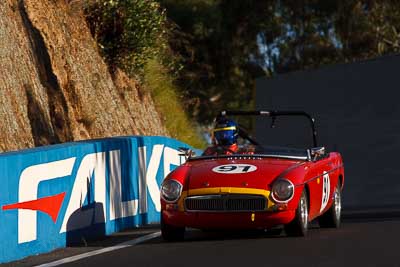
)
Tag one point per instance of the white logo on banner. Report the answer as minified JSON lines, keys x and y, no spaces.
{"x":93,"y":167}
{"x":28,"y":186}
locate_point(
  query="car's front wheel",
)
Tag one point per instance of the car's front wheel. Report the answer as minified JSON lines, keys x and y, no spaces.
{"x":299,"y":225}
{"x":331,"y":218}
{"x":171,"y":233}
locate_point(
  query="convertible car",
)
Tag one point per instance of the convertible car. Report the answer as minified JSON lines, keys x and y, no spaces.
{"x":256,"y":187}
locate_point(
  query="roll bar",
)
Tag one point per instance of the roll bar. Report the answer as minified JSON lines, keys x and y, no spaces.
{"x":273,"y":114}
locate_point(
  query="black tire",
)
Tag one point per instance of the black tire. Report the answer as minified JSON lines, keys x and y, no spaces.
{"x":172,"y":233}
{"x":332,"y":217}
{"x":299,"y":225}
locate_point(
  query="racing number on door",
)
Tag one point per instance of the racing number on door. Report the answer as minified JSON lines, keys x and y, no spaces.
{"x":326,"y":187}
{"x":234,"y":168}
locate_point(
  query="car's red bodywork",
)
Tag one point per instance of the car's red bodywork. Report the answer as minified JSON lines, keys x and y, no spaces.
{"x":257,"y":187}
{"x":198,"y":178}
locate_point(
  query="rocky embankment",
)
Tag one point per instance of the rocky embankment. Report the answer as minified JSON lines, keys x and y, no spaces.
{"x":54,"y":85}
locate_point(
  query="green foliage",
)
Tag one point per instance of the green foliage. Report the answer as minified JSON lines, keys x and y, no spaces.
{"x":225,"y":44}
{"x":317,"y":33}
{"x":216,"y":40}
{"x":132,"y":35}
{"x":214,"y":49}
{"x":129,"y":32}
{"x":169,"y":105}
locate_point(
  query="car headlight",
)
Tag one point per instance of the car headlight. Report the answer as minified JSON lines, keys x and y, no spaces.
{"x":171,"y":190}
{"x":282,"y":190}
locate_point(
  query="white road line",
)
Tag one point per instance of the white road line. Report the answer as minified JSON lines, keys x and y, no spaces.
{"x":101,"y":251}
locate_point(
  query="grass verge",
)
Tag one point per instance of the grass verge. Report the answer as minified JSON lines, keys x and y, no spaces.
{"x":169,"y":105}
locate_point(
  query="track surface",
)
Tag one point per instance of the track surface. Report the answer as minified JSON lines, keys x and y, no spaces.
{"x":359,"y":242}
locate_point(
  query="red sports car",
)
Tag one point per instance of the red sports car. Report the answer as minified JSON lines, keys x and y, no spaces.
{"x":254,"y":187}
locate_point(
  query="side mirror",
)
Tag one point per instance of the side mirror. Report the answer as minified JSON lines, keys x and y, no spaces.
{"x":317,"y":152}
{"x":186,"y":152}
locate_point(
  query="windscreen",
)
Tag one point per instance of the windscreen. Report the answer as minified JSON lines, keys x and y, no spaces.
{"x":287,"y":136}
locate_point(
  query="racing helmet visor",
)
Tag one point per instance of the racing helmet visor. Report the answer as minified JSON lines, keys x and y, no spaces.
{"x":225,"y":136}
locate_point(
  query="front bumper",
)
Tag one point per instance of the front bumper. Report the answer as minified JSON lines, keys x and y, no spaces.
{"x":227,"y":220}
{"x":275,"y":214}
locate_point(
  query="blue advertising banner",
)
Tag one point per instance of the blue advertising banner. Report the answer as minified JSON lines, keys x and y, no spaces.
{"x":54,"y":196}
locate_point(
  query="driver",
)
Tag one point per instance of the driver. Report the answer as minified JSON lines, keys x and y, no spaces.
{"x":224,"y":138}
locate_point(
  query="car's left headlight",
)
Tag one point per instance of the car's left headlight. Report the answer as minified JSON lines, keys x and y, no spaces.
{"x":282,"y":190}
{"x":171,"y":190}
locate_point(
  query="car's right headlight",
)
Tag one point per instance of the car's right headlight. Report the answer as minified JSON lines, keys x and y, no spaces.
{"x":171,"y":190}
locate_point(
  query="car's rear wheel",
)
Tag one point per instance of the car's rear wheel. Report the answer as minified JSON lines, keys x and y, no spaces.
{"x":171,"y":233}
{"x":299,"y":225}
{"x":331,"y":218}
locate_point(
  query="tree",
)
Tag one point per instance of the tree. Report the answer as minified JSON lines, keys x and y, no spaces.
{"x":225,"y":44}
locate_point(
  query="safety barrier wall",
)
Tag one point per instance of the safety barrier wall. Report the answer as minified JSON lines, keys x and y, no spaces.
{"x":356,"y":107}
{"x":55,"y":196}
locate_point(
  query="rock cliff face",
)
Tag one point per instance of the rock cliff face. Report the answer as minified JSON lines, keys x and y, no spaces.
{"x":55,"y":87}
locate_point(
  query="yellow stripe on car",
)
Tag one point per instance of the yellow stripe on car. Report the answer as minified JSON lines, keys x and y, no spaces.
{"x":181,"y":206}
{"x":225,"y":190}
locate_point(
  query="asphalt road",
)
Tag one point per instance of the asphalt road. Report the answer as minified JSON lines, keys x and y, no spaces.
{"x":359,"y":242}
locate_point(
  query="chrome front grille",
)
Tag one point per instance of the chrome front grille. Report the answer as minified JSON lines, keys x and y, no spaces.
{"x":226,"y":203}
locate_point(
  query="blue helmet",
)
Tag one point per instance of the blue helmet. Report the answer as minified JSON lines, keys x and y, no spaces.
{"x":225,"y":131}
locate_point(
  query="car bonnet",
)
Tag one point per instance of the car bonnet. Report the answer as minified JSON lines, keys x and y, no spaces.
{"x":232,"y":172}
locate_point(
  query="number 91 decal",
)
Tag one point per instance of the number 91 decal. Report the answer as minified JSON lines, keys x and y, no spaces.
{"x":234,"y":168}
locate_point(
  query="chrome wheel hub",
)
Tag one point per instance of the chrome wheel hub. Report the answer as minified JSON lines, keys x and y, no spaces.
{"x":338,"y":203}
{"x":304,"y":211}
